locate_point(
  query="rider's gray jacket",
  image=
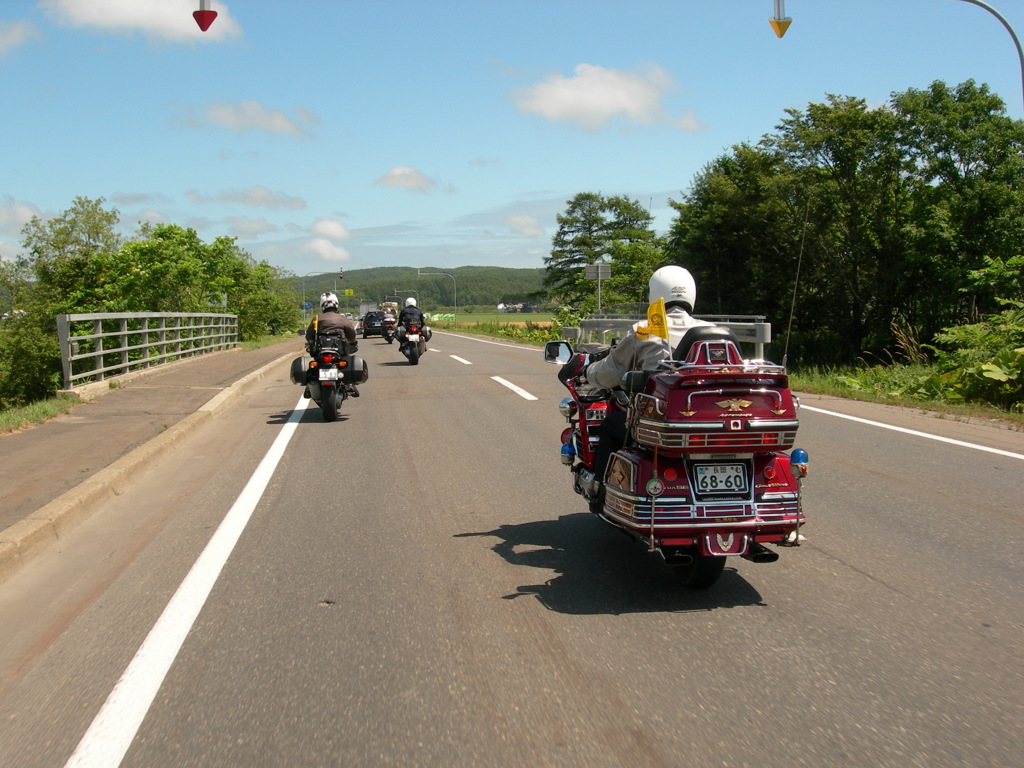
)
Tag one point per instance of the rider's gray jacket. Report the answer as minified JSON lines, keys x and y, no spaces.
{"x":636,"y":354}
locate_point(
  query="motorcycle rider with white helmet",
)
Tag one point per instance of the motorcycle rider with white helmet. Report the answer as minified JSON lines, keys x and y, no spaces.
{"x":643,"y":352}
{"x":639,"y":351}
{"x":330,"y":322}
{"x":412,"y":315}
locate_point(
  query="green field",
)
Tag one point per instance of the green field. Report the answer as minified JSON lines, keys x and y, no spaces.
{"x":500,"y":318}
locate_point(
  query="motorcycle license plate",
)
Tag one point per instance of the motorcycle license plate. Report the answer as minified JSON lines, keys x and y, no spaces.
{"x":720,"y":478}
{"x":328,"y":374}
{"x":413,"y":337}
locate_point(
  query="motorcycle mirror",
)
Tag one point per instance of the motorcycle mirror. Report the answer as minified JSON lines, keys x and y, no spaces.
{"x":557,"y":352}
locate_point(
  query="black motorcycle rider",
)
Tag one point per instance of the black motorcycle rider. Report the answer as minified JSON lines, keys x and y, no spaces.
{"x":412,"y":315}
{"x":330,"y":322}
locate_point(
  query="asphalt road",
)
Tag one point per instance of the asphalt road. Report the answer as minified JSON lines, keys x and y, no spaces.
{"x":417,"y":585}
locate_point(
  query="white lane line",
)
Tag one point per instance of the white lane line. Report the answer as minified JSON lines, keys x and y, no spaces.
{"x":519,"y":391}
{"x":949,"y":440}
{"x":488,"y":341}
{"x":456,"y":357}
{"x":112,"y":731}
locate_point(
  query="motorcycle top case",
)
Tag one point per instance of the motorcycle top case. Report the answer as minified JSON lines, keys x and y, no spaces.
{"x":717,"y":403}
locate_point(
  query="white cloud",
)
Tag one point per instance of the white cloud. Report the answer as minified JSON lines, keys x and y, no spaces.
{"x":168,"y":20}
{"x":15,"y":34}
{"x":247,"y":229}
{"x":256,"y":197}
{"x":406,"y":177}
{"x":526,"y":226}
{"x":151,"y":216}
{"x":15,"y":214}
{"x":594,"y":95}
{"x":325,"y":250}
{"x":332,"y":229}
{"x":138,"y":198}
{"x":244,"y":116}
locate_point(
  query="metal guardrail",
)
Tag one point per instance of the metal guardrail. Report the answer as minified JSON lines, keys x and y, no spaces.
{"x":97,"y":345}
{"x":748,"y":328}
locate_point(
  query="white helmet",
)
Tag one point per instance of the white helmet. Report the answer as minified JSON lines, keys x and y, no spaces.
{"x":328,"y":301}
{"x":675,"y":285}
{"x":410,"y":302}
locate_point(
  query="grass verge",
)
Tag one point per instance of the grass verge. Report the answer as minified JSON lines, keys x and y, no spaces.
{"x":14,"y":419}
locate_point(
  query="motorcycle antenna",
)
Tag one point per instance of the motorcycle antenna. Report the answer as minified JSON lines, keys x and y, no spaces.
{"x":796,"y":282}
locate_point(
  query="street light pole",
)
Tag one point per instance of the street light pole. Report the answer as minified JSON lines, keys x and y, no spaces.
{"x":455,"y":293}
{"x":1005,"y":23}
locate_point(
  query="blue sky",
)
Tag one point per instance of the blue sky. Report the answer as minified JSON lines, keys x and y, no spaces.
{"x":432,"y":133}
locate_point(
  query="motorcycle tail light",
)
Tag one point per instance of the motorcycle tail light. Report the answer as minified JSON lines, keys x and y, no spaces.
{"x":769,"y":472}
{"x":328,"y":358}
{"x":566,"y":436}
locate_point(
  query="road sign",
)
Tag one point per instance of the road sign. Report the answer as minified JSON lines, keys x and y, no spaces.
{"x":598,"y":271}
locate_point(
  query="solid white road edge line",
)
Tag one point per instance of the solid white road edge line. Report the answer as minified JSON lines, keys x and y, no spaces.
{"x":518,"y":390}
{"x":108,"y":738}
{"x":949,"y":440}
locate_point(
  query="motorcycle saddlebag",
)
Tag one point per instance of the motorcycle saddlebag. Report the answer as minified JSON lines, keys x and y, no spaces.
{"x":356,"y":372}
{"x":298,"y":371}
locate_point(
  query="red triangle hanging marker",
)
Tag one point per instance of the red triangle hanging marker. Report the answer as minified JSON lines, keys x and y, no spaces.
{"x":204,"y":18}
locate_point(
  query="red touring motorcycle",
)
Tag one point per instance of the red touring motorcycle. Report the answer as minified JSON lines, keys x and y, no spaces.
{"x":332,"y":374}
{"x":703,"y":475}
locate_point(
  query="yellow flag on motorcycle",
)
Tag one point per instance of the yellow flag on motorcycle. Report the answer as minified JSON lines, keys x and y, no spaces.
{"x":657,"y":320}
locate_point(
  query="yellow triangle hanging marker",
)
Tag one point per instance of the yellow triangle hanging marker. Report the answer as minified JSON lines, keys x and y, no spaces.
{"x":780,"y":25}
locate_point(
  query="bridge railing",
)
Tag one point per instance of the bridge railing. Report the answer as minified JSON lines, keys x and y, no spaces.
{"x":100,"y":345}
{"x":751,"y":329}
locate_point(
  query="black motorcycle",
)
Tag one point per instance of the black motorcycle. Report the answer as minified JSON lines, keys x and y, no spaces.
{"x":331,"y":375}
{"x":412,"y":342}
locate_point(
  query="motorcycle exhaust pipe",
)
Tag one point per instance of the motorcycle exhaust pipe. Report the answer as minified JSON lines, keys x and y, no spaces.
{"x":676,"y":557}
{"x":761,"y":554}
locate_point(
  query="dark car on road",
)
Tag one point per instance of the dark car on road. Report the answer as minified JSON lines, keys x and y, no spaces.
{"x":372,"y":324}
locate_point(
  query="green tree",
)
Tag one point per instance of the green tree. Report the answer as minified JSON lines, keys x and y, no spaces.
{"x":590,"y":228}
{"x":966,"y":174}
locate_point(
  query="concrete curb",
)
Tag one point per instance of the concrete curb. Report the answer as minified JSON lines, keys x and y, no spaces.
{"x":24,"y":540}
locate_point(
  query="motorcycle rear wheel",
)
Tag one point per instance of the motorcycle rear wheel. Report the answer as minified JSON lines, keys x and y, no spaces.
{"x":414,"y":354}
{"x":701,"y":573}
{"x":330,"y":405}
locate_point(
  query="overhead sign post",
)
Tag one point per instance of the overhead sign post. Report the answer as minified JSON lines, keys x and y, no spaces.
{"x":780,"y":21}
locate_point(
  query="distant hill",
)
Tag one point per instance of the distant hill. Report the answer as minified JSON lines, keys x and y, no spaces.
{"x":475,"y":286}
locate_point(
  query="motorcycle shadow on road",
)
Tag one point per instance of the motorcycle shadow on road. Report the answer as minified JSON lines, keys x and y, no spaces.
{"x":602,"y":571}
{"x":310,"y":415}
